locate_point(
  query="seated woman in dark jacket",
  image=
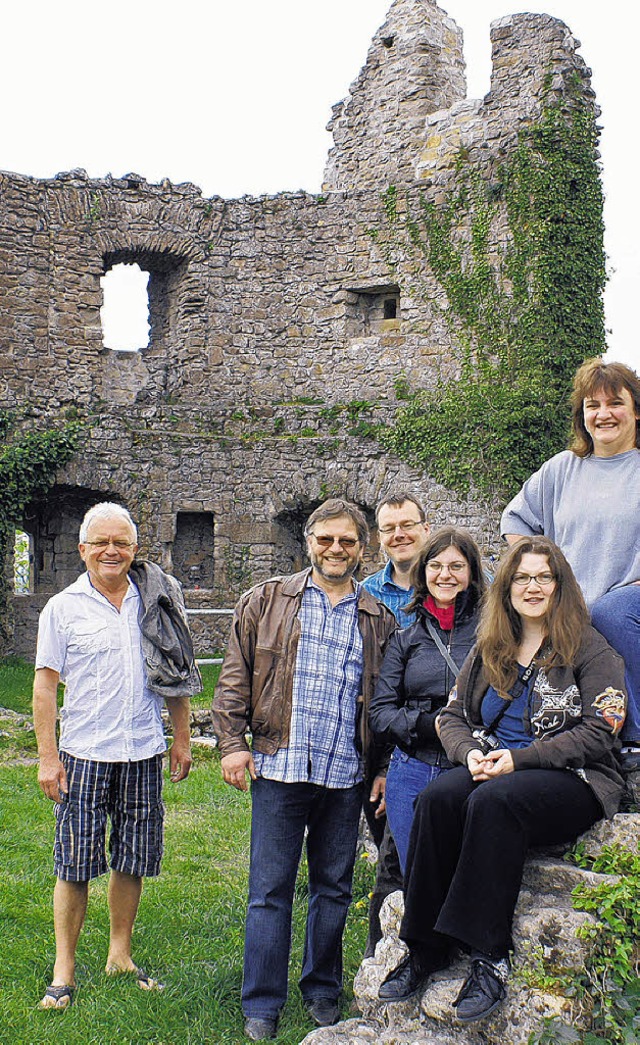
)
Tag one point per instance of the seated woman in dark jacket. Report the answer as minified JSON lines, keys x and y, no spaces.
{"x":420,"y":667}
{"x":532,"y":722}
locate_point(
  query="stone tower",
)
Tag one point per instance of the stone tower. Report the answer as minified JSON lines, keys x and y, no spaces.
{"x":414,"y":68}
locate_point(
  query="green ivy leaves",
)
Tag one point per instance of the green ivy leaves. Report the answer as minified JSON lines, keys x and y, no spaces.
{"x":525,"y":314}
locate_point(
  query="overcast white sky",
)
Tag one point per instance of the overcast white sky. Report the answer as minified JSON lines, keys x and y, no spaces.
{"x":235,"y":97}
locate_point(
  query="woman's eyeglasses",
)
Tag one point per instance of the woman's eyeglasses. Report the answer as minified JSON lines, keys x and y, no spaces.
{"x":454,"y":567}
{"x":543,"y":580}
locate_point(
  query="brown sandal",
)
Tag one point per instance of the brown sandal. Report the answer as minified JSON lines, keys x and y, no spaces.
{"x":62,"y":997}
{"x":144,"y":981}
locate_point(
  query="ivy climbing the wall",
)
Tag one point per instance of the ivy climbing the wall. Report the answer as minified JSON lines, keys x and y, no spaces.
{"x":519,"y":251}
{"x":28,"y":465}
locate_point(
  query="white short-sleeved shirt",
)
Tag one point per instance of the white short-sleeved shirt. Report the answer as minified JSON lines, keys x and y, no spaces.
{"x":108,"y":714}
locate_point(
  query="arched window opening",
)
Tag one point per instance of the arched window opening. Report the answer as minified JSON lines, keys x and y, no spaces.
{"x":125,"y":312}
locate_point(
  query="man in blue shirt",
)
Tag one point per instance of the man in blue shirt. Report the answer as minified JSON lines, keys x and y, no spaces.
{"x":403,"y":529}
{"x":299,"y":672}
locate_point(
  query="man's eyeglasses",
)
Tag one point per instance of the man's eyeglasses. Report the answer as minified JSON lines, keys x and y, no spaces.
{"x":543,"y":580}
{"x":454,"y":567}
{"x":406,"y":527}
{"x":344,"y":542}
{"x":120,"y":545}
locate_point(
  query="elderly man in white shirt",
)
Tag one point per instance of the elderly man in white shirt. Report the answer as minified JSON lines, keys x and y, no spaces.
{"x":108,"y":761}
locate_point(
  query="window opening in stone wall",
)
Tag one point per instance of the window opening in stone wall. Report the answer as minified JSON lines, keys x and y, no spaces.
{"x":22,"y":562}
{"x":53,"y":525}
{"x":193,"y":550}
{"x":372,"y":310}
{"x":125,"y":312}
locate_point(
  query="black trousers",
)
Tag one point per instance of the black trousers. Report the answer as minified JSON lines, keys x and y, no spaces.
{"x":468,"y":847}
{"x":388,"y":872}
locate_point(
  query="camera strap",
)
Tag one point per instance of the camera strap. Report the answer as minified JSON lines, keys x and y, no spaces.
{"x":516,"y":691}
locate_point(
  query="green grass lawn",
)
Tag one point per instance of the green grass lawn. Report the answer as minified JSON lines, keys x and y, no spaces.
{"x":189,"y":931}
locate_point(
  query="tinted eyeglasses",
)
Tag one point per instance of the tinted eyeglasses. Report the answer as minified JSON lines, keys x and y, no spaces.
{"x":347,"y":543}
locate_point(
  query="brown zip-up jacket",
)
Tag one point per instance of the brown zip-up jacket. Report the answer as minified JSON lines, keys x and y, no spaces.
{"x":255,"y":688}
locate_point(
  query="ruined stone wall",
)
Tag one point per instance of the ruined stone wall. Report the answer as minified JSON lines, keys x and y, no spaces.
{"x":278,"y":331}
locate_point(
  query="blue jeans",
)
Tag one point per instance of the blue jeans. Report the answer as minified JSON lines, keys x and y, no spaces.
{"x":616,"y":615}
{"x":406,"y":778}
{"x":280,"y":815}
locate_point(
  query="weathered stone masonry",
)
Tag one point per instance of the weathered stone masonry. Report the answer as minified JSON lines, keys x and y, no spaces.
{"x":277,"y":330}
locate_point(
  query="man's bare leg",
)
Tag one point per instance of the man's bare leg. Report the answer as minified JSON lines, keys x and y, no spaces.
{"x":125,"y":891}
{"x":69,"y":909}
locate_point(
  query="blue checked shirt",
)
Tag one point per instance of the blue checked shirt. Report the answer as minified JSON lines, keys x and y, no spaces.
{"x":326,"y":685}
{"x":383,"y":588}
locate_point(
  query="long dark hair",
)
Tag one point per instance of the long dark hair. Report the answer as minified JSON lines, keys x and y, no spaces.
{"x":448,"y":537}
{"x":500,"y":628}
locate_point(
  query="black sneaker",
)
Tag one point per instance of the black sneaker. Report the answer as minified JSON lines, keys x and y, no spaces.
{"x":630,"y":759}
{"x":409,"y":977}
{"x":483,"y":989}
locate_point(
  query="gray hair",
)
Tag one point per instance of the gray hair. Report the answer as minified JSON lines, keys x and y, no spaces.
{"x":106,"y":510}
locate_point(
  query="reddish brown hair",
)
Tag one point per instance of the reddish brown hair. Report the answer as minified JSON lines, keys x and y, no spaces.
{"x":591,"y":377}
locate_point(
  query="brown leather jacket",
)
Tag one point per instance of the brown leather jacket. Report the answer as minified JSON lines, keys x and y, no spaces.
{"x":255,"y":688}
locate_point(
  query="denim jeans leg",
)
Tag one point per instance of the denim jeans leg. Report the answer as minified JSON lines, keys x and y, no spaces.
{"x":331,"y":851}
{"x":279,"y":816}
{"x":616,"y":615}
{"x":406,"y":778}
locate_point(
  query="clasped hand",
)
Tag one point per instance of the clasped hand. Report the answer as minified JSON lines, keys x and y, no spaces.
{"x":485,"y":766}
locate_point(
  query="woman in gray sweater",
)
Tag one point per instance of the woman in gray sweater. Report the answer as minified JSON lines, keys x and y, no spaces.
{"x":531,"y":726}
{"x":587,"y":499}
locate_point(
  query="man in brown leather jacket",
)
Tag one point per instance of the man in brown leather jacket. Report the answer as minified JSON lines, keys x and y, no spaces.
{"x":299,"y":672}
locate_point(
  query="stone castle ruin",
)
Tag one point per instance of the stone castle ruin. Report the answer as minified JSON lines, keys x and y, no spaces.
{"x":278,"y":331}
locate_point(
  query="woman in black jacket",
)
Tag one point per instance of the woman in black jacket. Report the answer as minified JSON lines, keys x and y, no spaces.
{"x":420,"y":667}
{"x":532,"y":725}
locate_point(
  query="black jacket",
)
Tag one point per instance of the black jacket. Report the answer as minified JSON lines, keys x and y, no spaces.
{"x":415,"y":681}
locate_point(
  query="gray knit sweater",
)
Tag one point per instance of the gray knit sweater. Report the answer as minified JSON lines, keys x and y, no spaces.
{"x":590,"y":507}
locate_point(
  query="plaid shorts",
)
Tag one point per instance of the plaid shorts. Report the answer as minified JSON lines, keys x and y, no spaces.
{"x":130,"y":795}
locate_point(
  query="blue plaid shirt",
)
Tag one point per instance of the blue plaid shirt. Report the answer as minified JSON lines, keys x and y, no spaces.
{"x":326,"y":684}
{"x":383,"y":588}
